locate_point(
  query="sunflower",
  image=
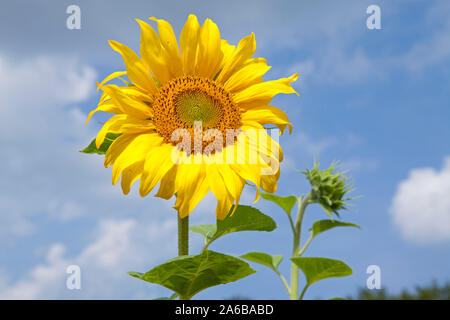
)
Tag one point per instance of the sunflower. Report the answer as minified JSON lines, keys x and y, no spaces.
{"x":203,"y":81}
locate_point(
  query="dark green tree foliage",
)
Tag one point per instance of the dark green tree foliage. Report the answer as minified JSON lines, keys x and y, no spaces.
{"x":428,"y":292}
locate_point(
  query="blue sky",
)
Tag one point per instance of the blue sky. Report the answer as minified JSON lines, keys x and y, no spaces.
{"x":377,"y":100}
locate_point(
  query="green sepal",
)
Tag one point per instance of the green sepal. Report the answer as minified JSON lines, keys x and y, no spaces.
{"x":109,"y":139}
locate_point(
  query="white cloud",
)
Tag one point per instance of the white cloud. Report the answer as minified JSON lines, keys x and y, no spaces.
{"x":296,"y":22}
{"x":435,"y":47}
{"x":334,"y":65}
{"x":120,"y":245}
{"x":339,"y":59}
{"x":12,"y":224}
{"x":305,"y":148}
{"x":359,"y":164}
{"x":34,"y":94}
{"x":421,"y":205}
{"x":37,"y":137}
{"x":427,"y":53}
{"x":310,"y":145}
{"x":306,"y":70}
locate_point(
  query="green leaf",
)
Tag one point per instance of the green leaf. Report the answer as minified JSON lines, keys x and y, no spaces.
{"x":188,"y":275}
{"x":245,"y":218}
{"x":336,"y":298}
{"x":172,"y":297}
{"x":92,"y":148}
{"x":263,"y":258}
{"x":135,"y":274}
{"x":324,"y":225}
{"x":286,"y":203}
{"x":316,"y":269}
{"x":206,"y":230}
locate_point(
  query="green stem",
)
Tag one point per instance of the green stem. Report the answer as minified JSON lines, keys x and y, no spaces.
{"x":303,"y":293}
{"x":301,"y":212}
{"x":183,"y":236}
{"x":305,"y":246}
{"x":283,"y":279}
{"x":303,"y":203}
{"x":294,"y":270}
{"x":292,"y":223}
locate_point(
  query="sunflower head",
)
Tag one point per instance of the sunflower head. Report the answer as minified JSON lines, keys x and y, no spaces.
{"x":186,"y":100}
{"x":210,"y":91}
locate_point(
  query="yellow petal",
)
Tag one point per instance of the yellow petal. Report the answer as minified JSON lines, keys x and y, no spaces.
{"x":265,"y":90}
{"x":113,"y":125}
{"x":247,"y":163}
{"x":197,"y":194}
{"x":117,"y":147}
{"x":267,"y":115}
{"x":104,"y":97}
{"x":269,"y":183}
{"x":106,"y":104}
{"x":264,"y":101}
{"x":247,"y":124}
{"x":152,"y":53}
{"x":137,"y":126}
{"x":112,"y":76}
{"x":244,"y":51}
{"x":215,"y":181}
{"x":189,"y":44}
{"x":246,"y":76}
{"x":167,"y":186}
{"x":105,"y":107}
{"x":228,"y":51}
{"x":237,"y":199}
{"x":137,"y":94}
{"x":135,"y":151}
{"x":191,"y":187}
{"x":272,"y":147}
{"x":170,"y":45}
{"x":130,"y":174}
{"x":127,"y":104}
{"x":264,"y":147}
{"x":157,"y":164}
{"x":219,"y":189}
{"x":223,"y":207}
{"x":136,"y":70}
{"x":209,"y":52}
{"x":233,"y":181}
{"x":254,"y":60}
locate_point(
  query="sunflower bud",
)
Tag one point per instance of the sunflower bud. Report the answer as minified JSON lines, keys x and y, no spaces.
{"x":328,"y":188}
